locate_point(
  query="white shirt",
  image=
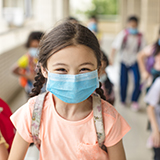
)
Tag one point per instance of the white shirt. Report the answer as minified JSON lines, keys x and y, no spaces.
{"x":153,"y":98}
{"x":129,"y":53}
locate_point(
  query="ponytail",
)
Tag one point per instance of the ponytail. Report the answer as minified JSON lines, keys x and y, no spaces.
{"x":100,"y":91}
{"x":38,"y":84}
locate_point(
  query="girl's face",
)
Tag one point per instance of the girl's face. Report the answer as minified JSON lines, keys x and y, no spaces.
{"x":34,"y":44}
{"x":72,"y":60}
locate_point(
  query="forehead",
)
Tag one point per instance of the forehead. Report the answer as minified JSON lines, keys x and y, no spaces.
{"x":74,"y":54}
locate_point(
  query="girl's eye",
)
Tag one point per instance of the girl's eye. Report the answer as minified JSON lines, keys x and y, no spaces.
{"x":85,"y":70}
{"x":61,"y":70}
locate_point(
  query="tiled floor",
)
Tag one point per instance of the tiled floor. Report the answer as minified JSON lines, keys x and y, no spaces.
{"x":135,"y":140}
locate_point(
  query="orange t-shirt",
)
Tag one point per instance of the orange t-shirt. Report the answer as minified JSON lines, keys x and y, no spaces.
{"x":70,"y":140}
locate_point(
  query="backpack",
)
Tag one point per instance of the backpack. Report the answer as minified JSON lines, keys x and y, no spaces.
{"x":97,"y":112}
{"x":124,"y":42}
{"x":6,"y":127}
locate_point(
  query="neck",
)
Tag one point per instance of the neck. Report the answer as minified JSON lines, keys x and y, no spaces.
{"x":73,"y":112}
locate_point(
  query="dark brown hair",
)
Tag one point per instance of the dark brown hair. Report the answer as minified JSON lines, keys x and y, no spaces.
{"x":36,"y":35}
{"x":63,"y":35}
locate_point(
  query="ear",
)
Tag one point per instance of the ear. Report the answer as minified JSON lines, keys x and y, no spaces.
{"x":44,"y":72}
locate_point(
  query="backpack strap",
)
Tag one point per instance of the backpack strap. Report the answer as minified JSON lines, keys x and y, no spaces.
{"x":98,"y":120}
{"x":36,"y":119}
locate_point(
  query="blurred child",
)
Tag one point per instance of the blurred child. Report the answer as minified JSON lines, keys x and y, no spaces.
{"x":25,"y":66}
{"x":92,"y":25}
{"x":149,"y":62}
{"x":6,"y":127}
{"x":3,"y":148}
{"x":107,"y":85}
{"x":152,"y":98}
{"x":128,"y":42}
{"x":70,"y":59}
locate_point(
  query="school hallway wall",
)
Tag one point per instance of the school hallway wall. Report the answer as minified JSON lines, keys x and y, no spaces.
{"x":135,"y":140}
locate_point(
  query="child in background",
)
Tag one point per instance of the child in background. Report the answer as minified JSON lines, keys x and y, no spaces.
{"x":149,"y":62}
{"x":107,"y":85}
{"x":70,"y":59}
{"x":3,"y":148}
{"x":152,"y":98}
{"x":128,"y":42}
{"x":92,"y":25}
{"x":25,"y":67}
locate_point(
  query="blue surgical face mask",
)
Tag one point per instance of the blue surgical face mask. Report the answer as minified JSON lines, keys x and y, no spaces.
{"x":33,"y":52}
{"x":159,"y":42}
{"x":133,"y":31}
{"x":72,"y":88}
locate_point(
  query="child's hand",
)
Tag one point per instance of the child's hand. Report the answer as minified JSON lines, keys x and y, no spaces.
{"x":156,"y":139}
{"x":30,"y":77}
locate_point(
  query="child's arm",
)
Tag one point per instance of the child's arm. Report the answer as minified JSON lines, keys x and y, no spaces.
{"x":19,"y":148}
{"x":3,"y":152}
{"x":112,"y":56}
{"x":154,"y":124}
{"x":16,"y":71}
{"x":116,"y":152}
{"x":141,"y":62}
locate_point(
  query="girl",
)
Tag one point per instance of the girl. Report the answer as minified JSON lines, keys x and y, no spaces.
{"x":25,"y":67}
{"x":153,"y":100}
{"x":70,"y":59}
{"x":149,"y":61}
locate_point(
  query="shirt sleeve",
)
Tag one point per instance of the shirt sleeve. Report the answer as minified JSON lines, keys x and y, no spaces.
{"x":22,"y":118}
{"x":153,"y":95}
{"x":23,"y":61}
{"x":115,"y":126}
{"x":117,"y":43}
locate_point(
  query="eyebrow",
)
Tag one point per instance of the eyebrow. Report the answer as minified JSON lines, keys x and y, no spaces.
{"x":59,"y":64}
{"x":63,"y":64}
{"x":87,"y":63}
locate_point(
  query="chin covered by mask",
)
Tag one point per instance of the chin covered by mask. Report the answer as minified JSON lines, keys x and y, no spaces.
{"x":133,"y":31}
{"x":33,"y":52}
{"x":103,"y":78}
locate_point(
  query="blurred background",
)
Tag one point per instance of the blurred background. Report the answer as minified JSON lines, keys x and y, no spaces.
{"x":19,"y":17}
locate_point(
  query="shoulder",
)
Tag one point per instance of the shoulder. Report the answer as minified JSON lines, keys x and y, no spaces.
{"x":149,"y":48}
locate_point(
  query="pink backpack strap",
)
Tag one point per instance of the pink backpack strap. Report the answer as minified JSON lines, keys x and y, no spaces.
{"x":125,"y":39}
{"x":36,"y":119}
{"x":98,"y":120}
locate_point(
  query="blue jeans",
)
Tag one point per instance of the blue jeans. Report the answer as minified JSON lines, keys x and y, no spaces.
{"x":124,"y":82}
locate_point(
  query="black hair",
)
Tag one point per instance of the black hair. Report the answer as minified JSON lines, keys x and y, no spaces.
{"x":105,"y":58}
{"x":63,"y":35}
{"x":72,"y":19}
{"x":36,"y":35}
{"x":133,"y":18}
